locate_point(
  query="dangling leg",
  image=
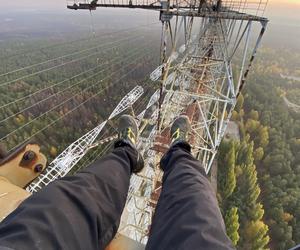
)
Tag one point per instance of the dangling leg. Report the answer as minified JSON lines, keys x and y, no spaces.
{"x":81,"y":211}
{"x":187,"y":215}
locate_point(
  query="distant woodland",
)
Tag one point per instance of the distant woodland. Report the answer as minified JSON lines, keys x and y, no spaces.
{"x":56,"y":102}
{"x":259,"y":176}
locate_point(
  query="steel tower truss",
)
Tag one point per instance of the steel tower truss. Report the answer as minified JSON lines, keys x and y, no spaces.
{"x":207,"y":49}
{"x":63,"y":163}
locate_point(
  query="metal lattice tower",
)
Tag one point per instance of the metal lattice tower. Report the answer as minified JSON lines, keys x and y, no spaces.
{"x":63,"y":163}
{"x":207,"y":50}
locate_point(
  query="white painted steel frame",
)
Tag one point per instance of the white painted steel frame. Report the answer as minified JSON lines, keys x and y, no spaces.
{"x":215,"y":106}
{"x":62,"y":164}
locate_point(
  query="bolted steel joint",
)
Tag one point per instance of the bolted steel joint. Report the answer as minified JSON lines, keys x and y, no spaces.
{"x":27,"y":158}
{"x":38,"y":168}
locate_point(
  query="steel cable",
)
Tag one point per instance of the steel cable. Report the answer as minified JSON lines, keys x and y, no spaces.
{"x":61,"y":91}
{"x":64,"y":56}
{"x":48,"y":69}
{"x":72,"y":110}
{"x":79,"y":40}
{"x":53,"y":85}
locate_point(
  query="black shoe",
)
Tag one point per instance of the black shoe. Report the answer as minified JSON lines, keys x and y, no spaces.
{"x":128,"y":136}
{"x":179,"y":135}
{"x":180,"y":129}
{"x":128,"y":130}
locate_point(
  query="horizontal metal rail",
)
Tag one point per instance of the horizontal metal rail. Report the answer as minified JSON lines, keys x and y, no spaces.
{"x":174,"y":9}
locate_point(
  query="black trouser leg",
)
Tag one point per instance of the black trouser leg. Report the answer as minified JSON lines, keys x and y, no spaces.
{"x":76,"y":212}
{"x":187,"y":215}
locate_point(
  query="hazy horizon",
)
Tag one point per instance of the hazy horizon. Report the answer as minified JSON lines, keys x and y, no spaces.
{"x":52,"y":17}
{"x":279,"y":11}
{"x":275,"y":8}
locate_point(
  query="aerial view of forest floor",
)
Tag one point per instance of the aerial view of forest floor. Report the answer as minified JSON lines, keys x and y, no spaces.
{"x":42,"y":104}
{"x":259,"y":184}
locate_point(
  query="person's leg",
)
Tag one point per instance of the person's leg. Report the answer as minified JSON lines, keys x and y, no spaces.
{"x":81,"y":211}
{"x":76,"y":212}
{"x":187,"y":215}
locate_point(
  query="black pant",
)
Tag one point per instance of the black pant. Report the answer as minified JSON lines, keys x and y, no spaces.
{"x":83,"y":211}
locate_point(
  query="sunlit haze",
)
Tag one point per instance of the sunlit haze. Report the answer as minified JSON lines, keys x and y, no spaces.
{"x":275,"y":7}
{"x":283,"y":15}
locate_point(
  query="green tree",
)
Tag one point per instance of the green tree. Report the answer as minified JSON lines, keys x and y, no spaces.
{"x":53,"y":151}
{"x":235,"y":116}
{"x":239,"y":103}
{"x":256,"y":235}
{"x":231,"y":178}
{"x":254,"y":115}
{"x":251,"y":125}
{"x":258,"y":154}
{"x":250,"y":186}
{"x":232,"y":225}
{"x":263,"y":137}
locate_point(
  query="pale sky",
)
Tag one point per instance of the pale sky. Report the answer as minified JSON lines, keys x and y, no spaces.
{"x":60,"y":3}
{"x":276,"y":8}
{"x":283,"y":9}
{"x":285,"y":1}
